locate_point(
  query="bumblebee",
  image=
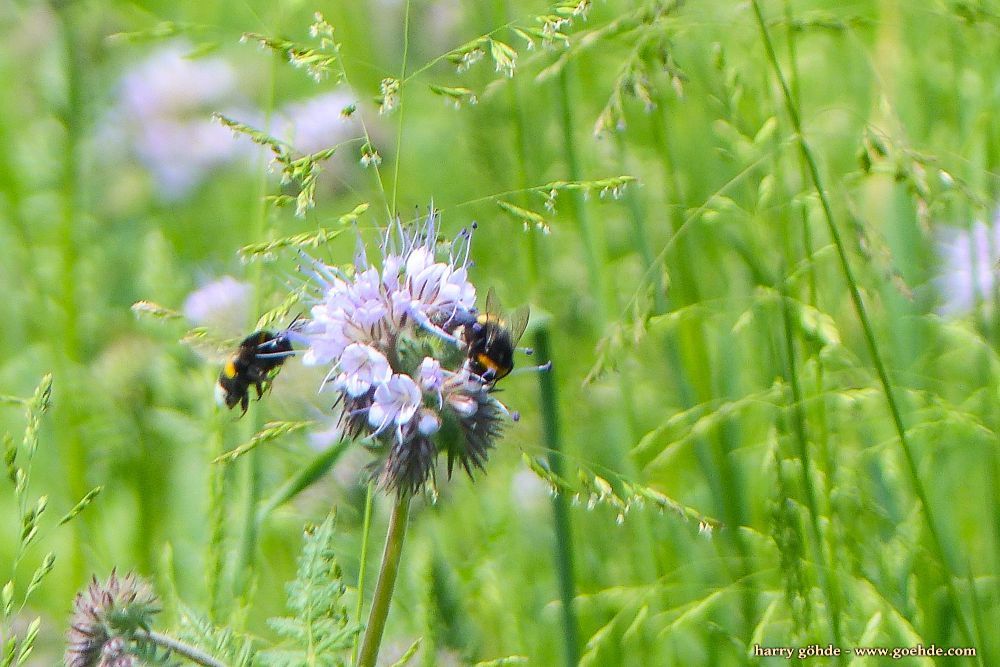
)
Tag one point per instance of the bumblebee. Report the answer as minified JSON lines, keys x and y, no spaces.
{"x":254,"y":364}
{"x":492,"y":337}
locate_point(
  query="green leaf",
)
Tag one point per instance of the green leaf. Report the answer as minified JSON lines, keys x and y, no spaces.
{"x":320,"y":633}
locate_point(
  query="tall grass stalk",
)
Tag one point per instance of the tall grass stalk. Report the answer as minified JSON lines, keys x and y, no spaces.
{"x":808,"y":245}
{"x":824,"y":549}
{"x":248,"y":541}
{"x":687,"y":351}
{"x":399,"y":112}
{"x":72,"y":206}
{"x":826,"y":574}
{"x":866,"y":325}
{"x":621,"y":420}
{"x":215,"y":556}
{"x":382,"y":598}
{"x":560,"y":502}
{"x":548,"y":399}
{"x":641,"y":235}
{"x":592,"y":246}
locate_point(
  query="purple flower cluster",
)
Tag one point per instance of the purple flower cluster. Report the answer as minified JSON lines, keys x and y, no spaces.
{"x":389,"y":336}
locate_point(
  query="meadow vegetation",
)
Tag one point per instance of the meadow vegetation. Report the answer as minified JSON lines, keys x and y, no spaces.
{"x":759,"y":241}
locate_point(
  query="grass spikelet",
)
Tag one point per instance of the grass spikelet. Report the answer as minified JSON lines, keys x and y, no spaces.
{"x":271,"y":431}
{"x":82,"y":505}
{"x":154,"y":310}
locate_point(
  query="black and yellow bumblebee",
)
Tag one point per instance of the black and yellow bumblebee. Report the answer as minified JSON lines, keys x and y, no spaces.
{"x":254,"y":364}
{"x":492,"y":338}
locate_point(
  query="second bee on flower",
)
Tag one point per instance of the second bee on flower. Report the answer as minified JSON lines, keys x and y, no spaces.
{"x":394,"y":337}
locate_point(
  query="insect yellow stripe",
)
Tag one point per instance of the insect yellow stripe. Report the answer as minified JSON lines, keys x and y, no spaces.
{"x":230,"y":369}
{"x":486,"y":362}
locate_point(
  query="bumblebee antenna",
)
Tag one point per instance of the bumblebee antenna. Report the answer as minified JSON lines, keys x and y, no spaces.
{"x":541,"y":368}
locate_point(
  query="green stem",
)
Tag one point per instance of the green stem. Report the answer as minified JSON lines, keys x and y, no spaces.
{"x":386,"y":582}
{"x":218,"y":482}
{"x":560,"y":503}
{"x":866,"y":324}
{"x":363,"y":561}
{"x":399,"y":123}
{"x":828,"y":575}
{"x":538,"y":269}
{"x":591,"y":251}
{"x":251,"y":532}
{"x":688,"y":358}
{"x":825,"y":573}
{"x":73,"y":116}
{"x":178,"y":647}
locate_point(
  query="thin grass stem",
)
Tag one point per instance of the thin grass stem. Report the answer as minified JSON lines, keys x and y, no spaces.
{"x":591,"y":252}
{"x":72,"y":118}
{"x":824,"y":551}
{"x":251,"y":532}
{"x":549,"y":405}
{"x":399,"y":120}
{"x":560,"y":502}
{"x":866,"y":324}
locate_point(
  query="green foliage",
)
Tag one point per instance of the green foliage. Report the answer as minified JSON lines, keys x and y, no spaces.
{"x":19,"y":644}
{"x":223,"y":644}
{"x":715,"y":365}
{"x":321,"y":631}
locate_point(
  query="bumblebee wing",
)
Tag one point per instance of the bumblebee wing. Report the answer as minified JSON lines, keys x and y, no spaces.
{"x":493,"y":306}
{"x":210,"y":347}
{"x":518,"y":323}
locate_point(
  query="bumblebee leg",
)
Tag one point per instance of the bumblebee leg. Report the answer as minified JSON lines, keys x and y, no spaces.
{"x":260,"y":390}
{"x":245,"y":403}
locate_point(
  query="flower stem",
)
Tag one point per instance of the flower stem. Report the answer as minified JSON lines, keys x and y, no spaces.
{"x":866,"y":325}
{"x":386,"y":582}
{"x":178,"y":647}
{"x":363,"y":560}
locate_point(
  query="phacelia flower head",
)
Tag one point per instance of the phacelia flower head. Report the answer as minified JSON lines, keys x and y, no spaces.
{"x":391,"y":335}
{"x":105,"y":616}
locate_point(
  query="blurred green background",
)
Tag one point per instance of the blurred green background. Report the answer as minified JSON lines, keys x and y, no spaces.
{"x":705,"y":341}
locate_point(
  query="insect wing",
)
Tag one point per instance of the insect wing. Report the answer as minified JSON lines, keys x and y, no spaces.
{"x":518,"y":323}
{"x":493,"y":308}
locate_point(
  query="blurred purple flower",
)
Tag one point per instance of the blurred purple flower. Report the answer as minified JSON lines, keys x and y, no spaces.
{"x":223,"y":305}
{"x":317,"y":123}
{"x":163,"y":115}
{"x":969,"y":261}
